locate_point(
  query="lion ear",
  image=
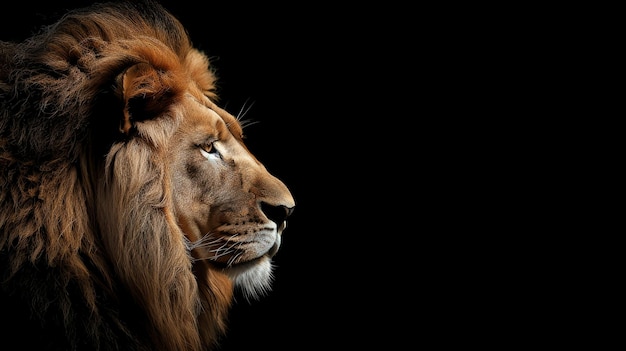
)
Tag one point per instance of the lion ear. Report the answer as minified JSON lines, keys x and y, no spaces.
{"x":146,"y":92}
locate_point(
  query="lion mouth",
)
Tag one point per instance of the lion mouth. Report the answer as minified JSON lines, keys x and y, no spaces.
{"x":243,"y":265}
{"x":274,"y":249}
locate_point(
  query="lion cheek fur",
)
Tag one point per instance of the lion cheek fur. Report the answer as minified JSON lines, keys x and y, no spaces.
{"x":158,"y":272}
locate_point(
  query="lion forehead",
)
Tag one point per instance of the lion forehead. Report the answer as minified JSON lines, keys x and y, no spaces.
{"x":202,"y":116}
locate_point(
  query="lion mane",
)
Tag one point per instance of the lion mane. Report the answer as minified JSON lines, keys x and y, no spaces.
{"x":100,"y":242}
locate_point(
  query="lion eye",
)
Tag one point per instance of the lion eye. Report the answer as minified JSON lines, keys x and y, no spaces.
{"x":210,"y":152}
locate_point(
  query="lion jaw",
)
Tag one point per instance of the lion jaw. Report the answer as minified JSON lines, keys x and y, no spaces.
{"x":253,"y":279}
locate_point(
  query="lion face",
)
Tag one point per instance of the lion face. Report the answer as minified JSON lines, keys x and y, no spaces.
{"x":230,"y":208}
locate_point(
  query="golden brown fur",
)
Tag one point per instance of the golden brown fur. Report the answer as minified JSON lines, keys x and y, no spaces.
{"x":130,"y":207}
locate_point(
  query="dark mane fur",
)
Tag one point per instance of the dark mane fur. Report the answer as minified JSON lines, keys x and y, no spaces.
{"x":61,"y":108}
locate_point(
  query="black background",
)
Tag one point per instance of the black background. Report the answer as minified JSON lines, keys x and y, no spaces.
{"x":301,"y":70}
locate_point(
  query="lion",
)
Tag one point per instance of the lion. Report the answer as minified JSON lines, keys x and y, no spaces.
{"x":131,"y":211}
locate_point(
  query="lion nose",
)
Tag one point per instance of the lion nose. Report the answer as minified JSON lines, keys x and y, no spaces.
{"x":276,"y":214}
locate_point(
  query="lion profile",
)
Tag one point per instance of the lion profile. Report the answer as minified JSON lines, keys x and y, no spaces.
{"x":130,"y":207}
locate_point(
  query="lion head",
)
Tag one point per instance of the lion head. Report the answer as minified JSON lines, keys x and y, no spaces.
{"x":130,"y":207}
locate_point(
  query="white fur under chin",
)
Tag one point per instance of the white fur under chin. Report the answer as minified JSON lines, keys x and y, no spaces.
{"x":253,"y":281}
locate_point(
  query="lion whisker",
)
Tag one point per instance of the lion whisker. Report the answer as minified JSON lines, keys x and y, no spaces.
{"x":244,"y":110}
{"x":228,"y":247}
{"x":200,"y":243}
{"x":244,"y":123}
{"x":233,"y":258}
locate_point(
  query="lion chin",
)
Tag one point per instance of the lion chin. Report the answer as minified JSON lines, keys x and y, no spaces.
{"x":254,"y":278}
